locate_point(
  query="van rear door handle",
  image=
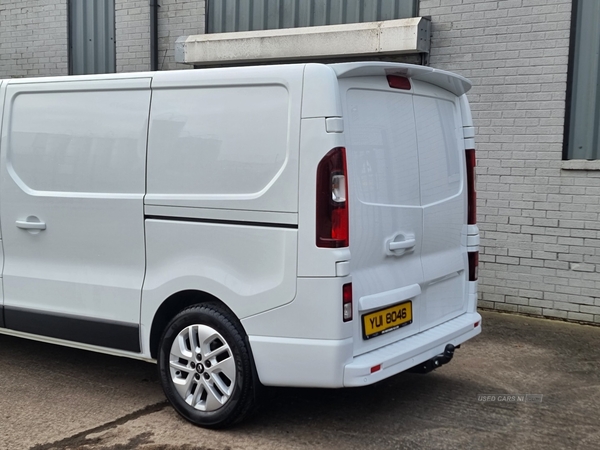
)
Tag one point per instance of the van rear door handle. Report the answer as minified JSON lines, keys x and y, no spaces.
{"x":26,"y":225}
{"x":400,"y":244}
{"x":408,"y":243}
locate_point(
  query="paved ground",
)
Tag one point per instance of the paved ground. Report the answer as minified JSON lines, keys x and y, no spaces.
{"x":59,"y":398}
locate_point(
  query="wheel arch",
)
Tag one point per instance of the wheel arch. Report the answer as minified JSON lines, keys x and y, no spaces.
{"x":174,"y":304}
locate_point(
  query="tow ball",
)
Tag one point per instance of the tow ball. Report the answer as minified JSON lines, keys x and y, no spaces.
{"x":436,"y":361}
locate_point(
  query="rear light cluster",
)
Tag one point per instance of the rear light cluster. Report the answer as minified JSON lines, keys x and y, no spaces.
{"x":332,"y":202}
{"x":472,"y":194}
{"x":472,"y":211}
{"x":332,"y":212}
{"x":473,"y":266}
{"x":347,"y":302}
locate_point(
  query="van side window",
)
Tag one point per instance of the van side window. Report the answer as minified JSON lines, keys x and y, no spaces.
{"x":86,"y":141}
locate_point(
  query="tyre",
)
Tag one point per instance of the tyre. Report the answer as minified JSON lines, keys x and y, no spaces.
{"x":205,"y":367}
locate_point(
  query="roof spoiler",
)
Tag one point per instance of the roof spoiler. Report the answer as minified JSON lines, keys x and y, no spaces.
{"x":446,"y":80}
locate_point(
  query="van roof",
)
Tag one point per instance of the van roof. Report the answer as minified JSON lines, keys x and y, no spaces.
{"x":446,"y":80}
{"x":452,"y":82}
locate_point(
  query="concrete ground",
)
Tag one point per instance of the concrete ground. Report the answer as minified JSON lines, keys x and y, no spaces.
{"x":60,"y":398}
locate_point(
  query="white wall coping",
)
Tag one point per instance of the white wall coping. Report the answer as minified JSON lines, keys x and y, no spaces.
{"x":580,"y":164}
{"x":390,"y":37}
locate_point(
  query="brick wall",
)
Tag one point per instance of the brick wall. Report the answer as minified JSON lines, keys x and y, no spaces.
{"x":132,"y":34}
{"x":132,"y":20}
{"x":540,"y":248}
{"x":175,"y":19}
{"x":33,"y":38}
{"x":34,"y":35}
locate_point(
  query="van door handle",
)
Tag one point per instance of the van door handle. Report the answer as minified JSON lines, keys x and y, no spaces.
{"x":27,"y":225}
{"x":400,"y":244}
{"x":408,"y":243}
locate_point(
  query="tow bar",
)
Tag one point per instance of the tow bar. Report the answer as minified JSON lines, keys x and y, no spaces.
{"x":435,"y":362}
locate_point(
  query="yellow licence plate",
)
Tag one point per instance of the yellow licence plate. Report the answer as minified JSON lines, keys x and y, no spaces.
{"x":386,"y":320}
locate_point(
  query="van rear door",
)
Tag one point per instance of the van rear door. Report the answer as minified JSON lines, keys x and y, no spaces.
{"x":407,"y":201}
{"x":386,"y":219}
{"x":444,"y":203}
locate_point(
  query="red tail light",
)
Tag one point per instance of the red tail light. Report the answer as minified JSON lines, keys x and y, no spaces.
{"x":472,"y":195}
{"x":332,"y":202}
{"x":347,"y":302}
{"x":473,"y":266}
{"x":398,"y":82}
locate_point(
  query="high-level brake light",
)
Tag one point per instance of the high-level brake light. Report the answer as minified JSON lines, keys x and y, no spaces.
{"x":398,"y":82}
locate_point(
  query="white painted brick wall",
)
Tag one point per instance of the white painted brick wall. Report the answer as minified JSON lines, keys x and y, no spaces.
{"x":132,"y":35}
{"x":178,"y":18}
{"x":132,"y":21}
{"x":540,"y":247}
{"x":33,"y":38}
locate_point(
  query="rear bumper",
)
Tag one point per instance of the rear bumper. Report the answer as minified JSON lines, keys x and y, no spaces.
{"x":329,"y":363}
{"x":409,"y":352}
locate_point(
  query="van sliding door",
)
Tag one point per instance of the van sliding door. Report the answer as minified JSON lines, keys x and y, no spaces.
{"x":73,"y":180}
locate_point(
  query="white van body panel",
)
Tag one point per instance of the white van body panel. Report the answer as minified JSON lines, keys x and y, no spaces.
{"x":252,"y":267}
{"x":89,"y":261}
{"x":2,"y":92}
{"x":217,"y":121}
{"x":315,"y":143}
{"x":215,"y":193}
{"x":320,"y":95}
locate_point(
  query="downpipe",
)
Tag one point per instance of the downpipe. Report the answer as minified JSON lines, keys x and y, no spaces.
{"x":154,"y":35}
{"x":436,"y":361}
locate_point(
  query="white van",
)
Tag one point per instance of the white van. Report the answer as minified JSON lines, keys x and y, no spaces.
{"x":301,"y":225}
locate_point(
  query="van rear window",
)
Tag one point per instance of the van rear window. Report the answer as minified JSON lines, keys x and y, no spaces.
{"x":404,"y":149}
{"x":439,"y":152}
{"x":382,"y":147}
